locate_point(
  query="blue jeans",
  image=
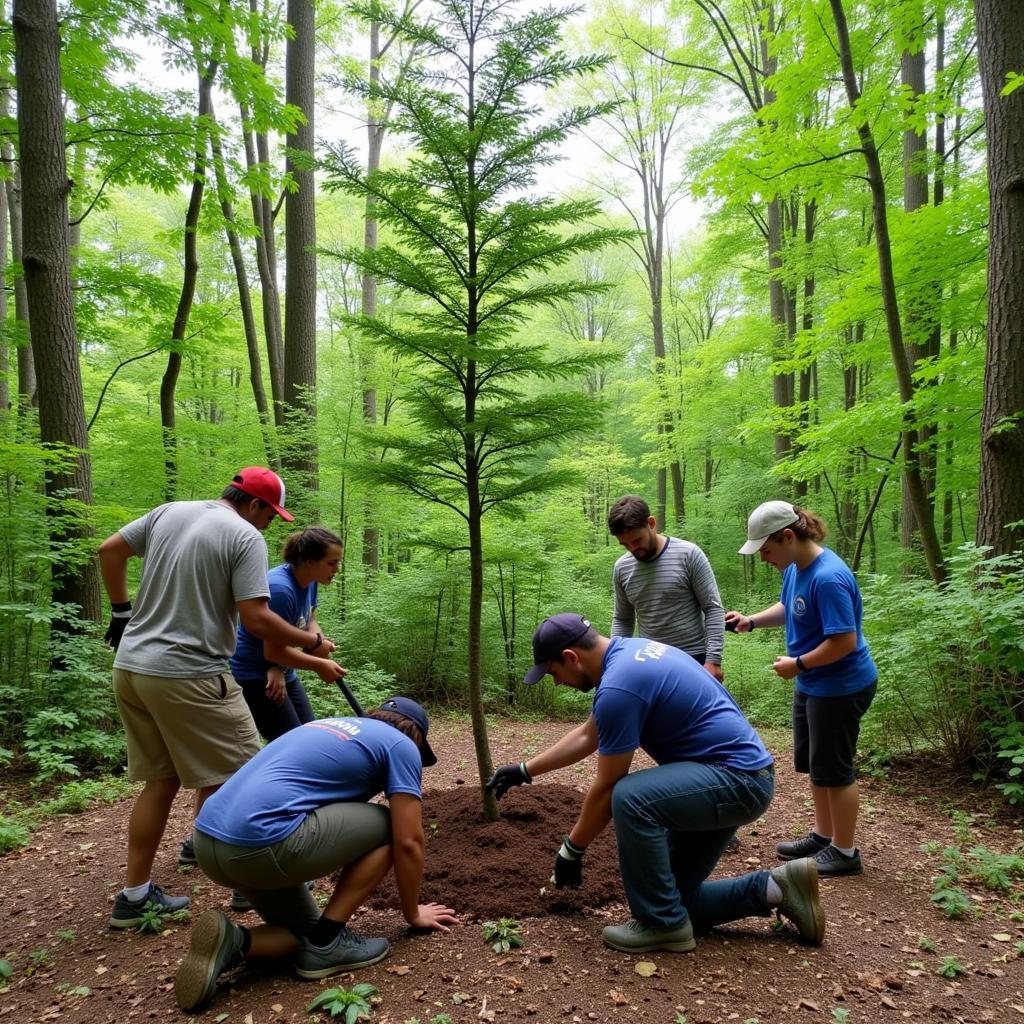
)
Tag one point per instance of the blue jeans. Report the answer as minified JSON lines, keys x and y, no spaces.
{"x":672,"y":823}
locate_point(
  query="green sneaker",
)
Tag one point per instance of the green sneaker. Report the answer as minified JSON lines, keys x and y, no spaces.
{"x":798,"y":880}
{"x":633,"y":937}
{"x":216,"y":947}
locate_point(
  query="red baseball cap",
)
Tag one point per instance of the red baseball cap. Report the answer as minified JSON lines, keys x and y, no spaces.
{"x":266,"y":485}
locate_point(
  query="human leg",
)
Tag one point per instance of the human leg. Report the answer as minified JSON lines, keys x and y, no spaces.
{"x":146,"y":827}
{"x":672,"y":824}
{"x":272,"y":719}
{"x":300,"y":701}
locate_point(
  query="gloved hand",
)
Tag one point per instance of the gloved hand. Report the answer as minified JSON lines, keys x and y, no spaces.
{"x":505,"y":778}
{"x":568,"y":865}
{"x":120,"y":613}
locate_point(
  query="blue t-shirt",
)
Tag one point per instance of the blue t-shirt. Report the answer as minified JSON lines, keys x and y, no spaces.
{"x":331,"y":760}
{"x":820,"y":601}
{"x":659,"y":699}
{"x":294,"y":603}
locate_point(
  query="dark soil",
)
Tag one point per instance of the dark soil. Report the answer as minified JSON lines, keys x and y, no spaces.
{"x":885,"y":944}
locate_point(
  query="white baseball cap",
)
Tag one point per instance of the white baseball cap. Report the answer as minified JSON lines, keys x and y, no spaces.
{"x":766,"y":519}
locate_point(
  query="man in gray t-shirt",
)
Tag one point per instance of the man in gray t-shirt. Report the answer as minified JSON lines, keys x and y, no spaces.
{"x":186,"y":722}
{"x":664,"y":587}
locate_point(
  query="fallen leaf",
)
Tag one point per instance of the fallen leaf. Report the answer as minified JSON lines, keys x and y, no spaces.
{"x":618,"y":998}
{"x":101,"y":969}
{"x":458,"y":998}
{"x":277,"y":1008}
{"x":220,"y":1017}
{"x":398,"y":969}
{"x":645,"y":968}
{"x":1003,"y":937}
{"x":248,"y":1018}
{"x":886,"y":1001}
{"x":807,"y":1004}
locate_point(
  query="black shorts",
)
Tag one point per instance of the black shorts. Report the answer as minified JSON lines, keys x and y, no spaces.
{"x":825,"y":731}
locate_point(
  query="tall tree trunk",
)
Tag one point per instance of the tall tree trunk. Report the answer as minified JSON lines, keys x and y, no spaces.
{"x":300,"y":253}
{"x":169,"y":382}
{"x":46,"y":261}
{"x":5,"y":342}
{"x":890,"y":306}
{"x":252,"y":341}
{"x":1001,"y":483}
{"x":28,"y":395}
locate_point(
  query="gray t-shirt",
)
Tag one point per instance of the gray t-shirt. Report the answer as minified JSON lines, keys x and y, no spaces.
{"x":673,"y":599}
{"x":200,"y":559}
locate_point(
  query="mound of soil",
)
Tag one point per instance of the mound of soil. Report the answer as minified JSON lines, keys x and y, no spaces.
{"x":497,"y":868}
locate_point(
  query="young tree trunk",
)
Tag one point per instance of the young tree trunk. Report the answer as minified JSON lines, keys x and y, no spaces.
{"x":47,"y":263}
{"x":5,"y":344}
{"x":1001,"y":483}
{"x":28,"y":395}
{"x":252,"y":342}
{"x":887,"y":283}
{"x":169,"y":382}
{"x":300,"y":252}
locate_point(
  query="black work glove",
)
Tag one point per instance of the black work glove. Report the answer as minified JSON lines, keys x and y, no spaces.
{"x":120,"y":613}
{"x":568,"y":865}
{"x":505,"y":778}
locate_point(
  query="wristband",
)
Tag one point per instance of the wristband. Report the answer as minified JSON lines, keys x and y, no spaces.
{"x":800,"y":666}
{"x":121,"y":609}
{"x":570,"y":851}
{"x":526,"y":774}
{"x":750,"y":624}
{"x":313,"y":646}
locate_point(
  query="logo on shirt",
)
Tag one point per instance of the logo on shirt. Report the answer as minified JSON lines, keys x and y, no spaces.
{"x":339,"y":726}
{"x":799,"y":606}
{"x":651,"y":650}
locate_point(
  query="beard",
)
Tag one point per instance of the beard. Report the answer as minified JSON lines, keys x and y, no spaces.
{"x":649,"y":551}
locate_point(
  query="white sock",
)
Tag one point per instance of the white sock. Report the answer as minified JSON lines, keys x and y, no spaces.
{"x":846,"y":852}
{"x":774,"y":892}
{"x":134,"y":893}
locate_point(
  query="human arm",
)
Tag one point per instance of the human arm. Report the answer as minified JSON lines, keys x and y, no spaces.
{"x":832,"y":649}
{"x":704,"y":587}
{"x":291,"y":657}
{"x":275,"y":688}
{"x":623,"y":613}
{"x":773,"y":615}
{"x":113,"y":556}
{"x":326,"y":645}
{"x":267,"y":625}
{"x":574,"y":746}
{"x":408,"y":846}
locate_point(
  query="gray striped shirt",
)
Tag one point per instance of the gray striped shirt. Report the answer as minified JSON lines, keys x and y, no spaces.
{"x":673,"y":599}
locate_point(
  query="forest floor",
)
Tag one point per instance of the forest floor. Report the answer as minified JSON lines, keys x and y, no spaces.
{"x":886,"y":940}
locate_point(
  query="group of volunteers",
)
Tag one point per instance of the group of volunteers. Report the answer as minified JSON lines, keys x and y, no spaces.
{"x":206,"y":663}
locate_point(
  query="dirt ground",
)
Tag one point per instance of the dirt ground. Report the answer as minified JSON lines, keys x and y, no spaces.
{"x":885,"y":944}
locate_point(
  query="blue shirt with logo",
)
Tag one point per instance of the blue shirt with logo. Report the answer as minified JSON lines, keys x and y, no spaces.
{"x":331,"y":760}
{"x":824,"y":600}
{"x":657,"y":698}
{"x":294,"y":603}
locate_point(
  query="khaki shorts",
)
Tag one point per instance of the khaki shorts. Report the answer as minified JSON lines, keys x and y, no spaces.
{"x":274,"y":877}
{"x":199,"y":730}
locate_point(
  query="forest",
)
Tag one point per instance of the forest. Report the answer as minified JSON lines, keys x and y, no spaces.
{"x":464,"y":272}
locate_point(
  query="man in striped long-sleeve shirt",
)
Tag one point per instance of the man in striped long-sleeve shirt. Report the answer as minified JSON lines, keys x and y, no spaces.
{"x":665,"y":587}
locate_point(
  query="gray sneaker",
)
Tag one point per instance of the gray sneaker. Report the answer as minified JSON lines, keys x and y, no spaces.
{"x":805,"y":846}
{"x":130,"y":913}
{"x":215,"y":947}
{"x":633,"y":937}
{"x":187,"y":853}
{"x":832,"y":862}
{"x":798,"y":881}
{"x":347,"y":952}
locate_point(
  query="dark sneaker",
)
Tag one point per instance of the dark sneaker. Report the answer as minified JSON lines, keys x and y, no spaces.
{"x":240,"y":902}
{"x":633,"y":937}
{"x":832,"y":862}
{"x":129,"y":913}
{"x":734,"y":843}
{"x":805,"y":846}
{"x":798,"y":881}
{"x":187,"y":853}
{"x":347,"y":952}
{"x":215,"y":947}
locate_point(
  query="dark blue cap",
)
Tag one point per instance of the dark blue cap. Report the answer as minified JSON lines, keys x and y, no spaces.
{"x":415,"y":713}
{"x":552,"y":637}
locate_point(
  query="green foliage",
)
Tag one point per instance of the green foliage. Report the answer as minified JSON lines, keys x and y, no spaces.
{"x":12,"y":835}
{"x":350,"y":1003}
{"x":950,"y":967}
{"x":155,"y":916}
{"x":6,"y":971}
{"x":502,"y":934}
{"x":840,"y":1015}
{"x":925,"y":944}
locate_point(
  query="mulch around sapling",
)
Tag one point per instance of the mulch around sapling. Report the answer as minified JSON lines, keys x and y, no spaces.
{"x":491,"y":868}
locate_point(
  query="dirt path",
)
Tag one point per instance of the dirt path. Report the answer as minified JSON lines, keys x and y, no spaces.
{"x":885,"y":941}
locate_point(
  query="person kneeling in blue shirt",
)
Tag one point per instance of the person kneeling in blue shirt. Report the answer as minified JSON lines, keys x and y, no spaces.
{"x":299,"y":810}
{"x":672,"y":821}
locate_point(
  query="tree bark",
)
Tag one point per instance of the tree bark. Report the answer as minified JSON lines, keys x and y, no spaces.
{"x":1001,"y":482}
{"x":28,"y":395}
{"x":300,"y":252}
{"x":169,"y":382}
{"x":890,"y":306}
{"x":47,"y":266}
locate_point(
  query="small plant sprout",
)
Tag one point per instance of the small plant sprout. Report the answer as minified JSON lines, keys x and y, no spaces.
{"x":679,"y":1018}
{"x":925,"y":944}
{"x":349,"y":1003}
{"x":65,"y":934}
{"x":950,"y":967}
{"x":153,"y":917}
{"x":502,"y":934}
{"x":840,"y":1015}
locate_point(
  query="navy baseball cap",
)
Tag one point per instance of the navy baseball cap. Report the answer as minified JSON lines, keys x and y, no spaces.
{"x":415,"y":713}
{"x":552,"y":637}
